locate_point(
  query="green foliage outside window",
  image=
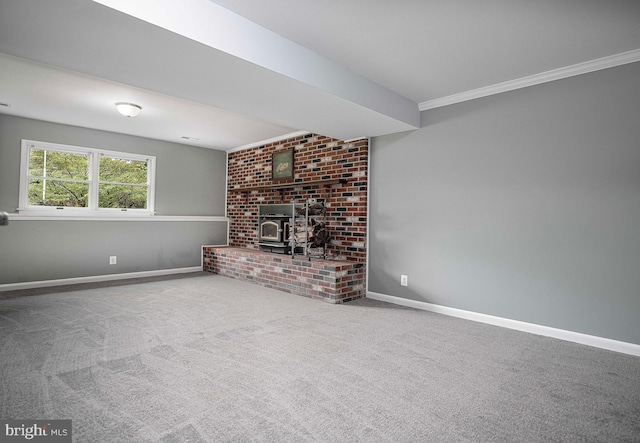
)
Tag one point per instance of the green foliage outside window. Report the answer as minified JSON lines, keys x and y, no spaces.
{"x":123,"y":183}
{"x":62,"y":179}
{"x":58,"y":179}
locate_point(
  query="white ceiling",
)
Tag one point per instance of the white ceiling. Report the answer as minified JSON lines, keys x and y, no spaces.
{"x":340,"y":68}
{"x":428,"y":49}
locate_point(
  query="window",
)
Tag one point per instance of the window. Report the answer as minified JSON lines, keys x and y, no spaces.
{"x":70,"y":180}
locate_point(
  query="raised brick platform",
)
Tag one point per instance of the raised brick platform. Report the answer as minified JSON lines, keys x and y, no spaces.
{"x":327,"y":280}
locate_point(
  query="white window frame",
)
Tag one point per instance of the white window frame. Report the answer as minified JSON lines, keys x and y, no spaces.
{"x":94,"y":182}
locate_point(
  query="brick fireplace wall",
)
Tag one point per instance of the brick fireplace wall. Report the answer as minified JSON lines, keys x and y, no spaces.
{"x":315,"y":158}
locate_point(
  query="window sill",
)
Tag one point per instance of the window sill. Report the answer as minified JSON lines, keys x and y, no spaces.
{"x":119,"y":217}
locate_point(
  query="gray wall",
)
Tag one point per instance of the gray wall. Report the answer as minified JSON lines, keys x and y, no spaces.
{"x":523,"y":205}
{"x":189,"y":182}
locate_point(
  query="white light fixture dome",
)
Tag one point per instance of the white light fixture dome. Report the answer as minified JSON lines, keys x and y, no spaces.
{"x":128,"y":109}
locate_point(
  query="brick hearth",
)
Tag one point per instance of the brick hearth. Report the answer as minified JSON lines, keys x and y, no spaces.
{"x":328,"y":280}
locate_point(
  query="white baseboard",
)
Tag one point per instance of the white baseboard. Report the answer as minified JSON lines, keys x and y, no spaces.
{"x":95,"y":278}
{"x":576,"y":337}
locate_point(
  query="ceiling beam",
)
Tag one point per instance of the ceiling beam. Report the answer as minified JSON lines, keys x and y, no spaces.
{"x":198,"y":51}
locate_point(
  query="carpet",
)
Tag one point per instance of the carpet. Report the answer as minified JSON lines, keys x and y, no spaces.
{"x":210,"y":359}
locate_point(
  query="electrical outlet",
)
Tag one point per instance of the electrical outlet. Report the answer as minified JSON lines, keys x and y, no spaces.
{"x":404,"y":280}
{"x":113,"y":260}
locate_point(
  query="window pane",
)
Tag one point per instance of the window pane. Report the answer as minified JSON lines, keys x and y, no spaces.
{"x":123,"y":197}
{"x":91,"y":179}
{"x":117,"y":170}
{"x":48,"y":192}
{"x":36,"y":162}
{"x":58,"y":164}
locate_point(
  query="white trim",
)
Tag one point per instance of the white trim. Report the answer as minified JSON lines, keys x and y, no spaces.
{"x":356,"y":139}
{"x":67,"y":213}
{"x":576,"y":337}
{"x":536,"y":79}
{"x":154,"y":218}
{"x":226,"y":185}
{"x":367,"y":230}
{"x":269,"y":140}
{"x":226,"y":203}
{"x":96,"y":278}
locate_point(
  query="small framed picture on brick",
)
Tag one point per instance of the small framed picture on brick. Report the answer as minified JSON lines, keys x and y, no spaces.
{"x":282,"y":165}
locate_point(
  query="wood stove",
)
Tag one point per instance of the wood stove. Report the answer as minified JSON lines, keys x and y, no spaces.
{"x":274,"y":225}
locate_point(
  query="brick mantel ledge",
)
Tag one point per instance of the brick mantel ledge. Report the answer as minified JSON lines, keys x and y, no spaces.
{"x":327,"y":280}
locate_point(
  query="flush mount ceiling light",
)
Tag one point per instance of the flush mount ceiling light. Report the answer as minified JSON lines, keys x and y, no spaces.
{"x":128,"y":109}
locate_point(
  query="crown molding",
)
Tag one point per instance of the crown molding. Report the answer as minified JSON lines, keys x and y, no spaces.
{"x":269,"y":140}
{"x":536,"y":79}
